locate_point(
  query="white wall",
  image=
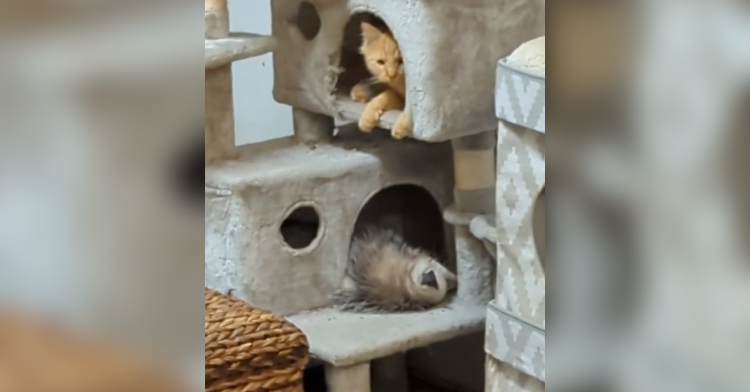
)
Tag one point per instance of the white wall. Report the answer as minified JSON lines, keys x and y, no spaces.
{"x":257,"y":116}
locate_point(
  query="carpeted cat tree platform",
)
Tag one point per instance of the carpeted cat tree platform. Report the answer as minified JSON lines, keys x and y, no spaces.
{"x":280,"y":214}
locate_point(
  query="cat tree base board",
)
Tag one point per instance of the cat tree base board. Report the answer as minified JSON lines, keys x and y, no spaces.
{"x":345,"y":339}
{"x":249,"y":198}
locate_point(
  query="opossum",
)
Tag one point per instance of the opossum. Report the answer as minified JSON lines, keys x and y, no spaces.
{"x":384,"y":274}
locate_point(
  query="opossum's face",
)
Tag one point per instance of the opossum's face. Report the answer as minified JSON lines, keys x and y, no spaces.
{"x":431,"y":281}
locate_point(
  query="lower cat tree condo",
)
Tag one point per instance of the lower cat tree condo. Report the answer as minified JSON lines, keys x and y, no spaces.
{"x":281,"y":214}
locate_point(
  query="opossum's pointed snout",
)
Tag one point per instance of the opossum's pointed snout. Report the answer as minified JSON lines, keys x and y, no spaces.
{"x":429,"y":279}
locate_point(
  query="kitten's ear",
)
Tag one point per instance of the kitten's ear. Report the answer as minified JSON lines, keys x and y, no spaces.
{"x":429,"y":279}
{"x":369,"y":32}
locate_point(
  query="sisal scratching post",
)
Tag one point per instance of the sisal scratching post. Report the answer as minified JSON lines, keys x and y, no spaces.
{"x":219,"y":103}
{"x":312,"y":127}
{"x":474,"y":162}
{"x":474,"y":193}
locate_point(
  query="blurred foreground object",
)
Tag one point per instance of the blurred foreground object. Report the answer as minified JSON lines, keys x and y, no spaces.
{"x":98,"y":111}
{"x":251,"y":350}
{"x":694,"y":320}
{"x":594,"y":43}
{"x":39,"y":357}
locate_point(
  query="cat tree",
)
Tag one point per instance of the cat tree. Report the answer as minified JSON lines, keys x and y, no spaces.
{"x":325,"y":187}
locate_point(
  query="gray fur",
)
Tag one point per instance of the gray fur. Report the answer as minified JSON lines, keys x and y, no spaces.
{"x":373,"y":253}
{"x":365,"y":302}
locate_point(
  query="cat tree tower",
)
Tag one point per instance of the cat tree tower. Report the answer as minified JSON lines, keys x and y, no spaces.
{"x":329,"y":184}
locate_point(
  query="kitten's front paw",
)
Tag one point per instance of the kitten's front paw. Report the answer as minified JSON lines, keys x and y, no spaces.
{"x":369,"y":120}
{"x":360,"y":93}
{"x":402,"y":127}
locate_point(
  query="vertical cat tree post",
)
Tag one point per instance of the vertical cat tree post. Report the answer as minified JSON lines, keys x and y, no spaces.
{"x":389,"y":374}
{"x":474,"y":192}
{"x":219,"y":101}
{"x":312,"y":127}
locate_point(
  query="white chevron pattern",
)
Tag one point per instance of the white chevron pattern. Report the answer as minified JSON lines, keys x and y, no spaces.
{"x":503,"y":103}
{"x":501,"y":377}
{"x":526,"y":94}
{"x":520,"y":180}
{"x":513,"y":342}
{"x":520,"y":99}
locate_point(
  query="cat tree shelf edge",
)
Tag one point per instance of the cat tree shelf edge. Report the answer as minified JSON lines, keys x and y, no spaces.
{"x":347,"y":339}
{"x":349,"y":112}
{"x":238,"y":46}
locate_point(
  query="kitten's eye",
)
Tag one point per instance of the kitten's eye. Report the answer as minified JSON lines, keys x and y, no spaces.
{"x":381,"y":62}
{"x":400,"y":61}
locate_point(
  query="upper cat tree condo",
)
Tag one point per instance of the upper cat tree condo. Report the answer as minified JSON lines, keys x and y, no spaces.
{"x":280,"y":214}
{"x":448,"y":48}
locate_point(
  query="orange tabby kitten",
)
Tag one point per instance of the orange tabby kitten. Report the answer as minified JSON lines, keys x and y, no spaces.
{"x":383,"y":59}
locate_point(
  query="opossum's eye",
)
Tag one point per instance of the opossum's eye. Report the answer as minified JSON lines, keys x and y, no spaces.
{"x":429,"y":279}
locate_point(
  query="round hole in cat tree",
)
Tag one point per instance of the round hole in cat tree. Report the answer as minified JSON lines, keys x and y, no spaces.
{"x":351,"y":62}
{"x":308,"y":20}
{"x":301,"y":229}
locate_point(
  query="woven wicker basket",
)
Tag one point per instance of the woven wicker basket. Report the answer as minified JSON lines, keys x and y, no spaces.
{"x":250,"y":350}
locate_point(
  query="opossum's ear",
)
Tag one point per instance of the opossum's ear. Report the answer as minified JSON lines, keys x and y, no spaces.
{"x":429,"y":279}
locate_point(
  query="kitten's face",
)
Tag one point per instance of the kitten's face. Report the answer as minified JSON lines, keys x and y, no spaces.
{"x":431,"y":281}
{"x":382,"y":55}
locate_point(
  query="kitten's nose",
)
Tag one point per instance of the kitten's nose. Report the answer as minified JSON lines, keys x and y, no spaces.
{"x":391,"y":73}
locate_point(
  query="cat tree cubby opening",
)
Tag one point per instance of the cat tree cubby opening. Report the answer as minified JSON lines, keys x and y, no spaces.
{"x":412,"y":212}
{"x":353,"y":70}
